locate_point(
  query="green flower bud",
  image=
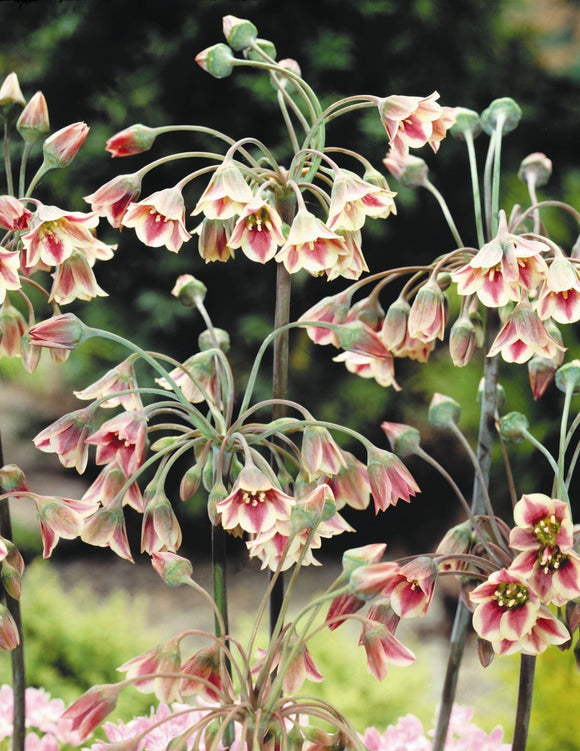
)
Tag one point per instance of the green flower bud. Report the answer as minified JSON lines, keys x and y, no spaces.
{"x":512,"y":426}
{"x":443,"y":411}
{"x":206,"y":342}
{"x":190,"y":482}
{"x":218,"y":60}
{"x":266,"y":47}
{"x":568,"y":376}
{"x":239,"y":32}
{"x":536,"y":168}
{"x":504,"y":111}
{"x":466,"y":121}
{"x":189,"y":291}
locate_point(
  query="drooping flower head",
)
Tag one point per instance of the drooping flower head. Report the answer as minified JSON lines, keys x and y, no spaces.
{"x":409,"y":121}
{"x":159,"y":219}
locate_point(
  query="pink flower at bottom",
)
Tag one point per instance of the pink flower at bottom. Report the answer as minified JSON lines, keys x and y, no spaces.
{"x":87,"y":713}
{"x":523,"y":336}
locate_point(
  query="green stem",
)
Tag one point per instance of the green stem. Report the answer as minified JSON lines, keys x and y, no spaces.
{"x":524,"y":705}
{"x":445,"y":209}
{"x":475,"y":187}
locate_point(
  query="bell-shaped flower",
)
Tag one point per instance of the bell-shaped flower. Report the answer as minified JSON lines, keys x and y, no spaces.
{"x":541,"y":372}
{"x":410,"y":590}
{"x":159,"y":219}
{"x":107,"y":486}
{"x":255,"y":503}
{"x":502,"y":268}
{"x":341,"y":607}
{"x":383,"y":649}
{"x":559,"y":297}
{"x":214,"y":235}
{"x":202,"y":674}
{"x":226,"y":195}
{"x":123,"y":438}
{"x":390,"y":480}
{"x":113,"y":198}
{"x":321,"y":454}
{"x":74,"y":279}
{"x":163,"y":660}
{"x":9,"y":267}
{"x":523,"y":336}
{"x":409,"y":121}
{"x":352,"y":264}
{"x":350,"y":485}
{"x":106,"y":529}
{"x":553,"y":573}
{"x":196,"y":378}
{"x":541,"y":520}
{"x":462,"y":341}
{"x":301,"y":668}
{"x":13,"y":214}
{"x":508,"y":613}
{"x":60,"y":517}
{"x":258,"y":231}
{"x":311,"y":246}
{"x":54,"y":234}
{"x":352,"y":199}
{"x":87,"y":713}
{"x":368,"y":582}
{"x":332,"y":309}
{"x":160,"y":530}
{"x":66,"y":438}
{"x":118,"y":379}
{"x":428,"y":314}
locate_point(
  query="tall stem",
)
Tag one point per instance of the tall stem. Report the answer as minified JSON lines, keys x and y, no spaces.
{"x":17,"y":654}
{"x":480,"y":484}
{"x":524,"y":707}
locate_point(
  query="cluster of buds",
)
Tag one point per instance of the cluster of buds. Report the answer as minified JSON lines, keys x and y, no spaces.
{"x":40,"y":238}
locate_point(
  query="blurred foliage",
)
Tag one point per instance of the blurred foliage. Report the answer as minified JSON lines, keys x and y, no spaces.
{"x":145,"y":72}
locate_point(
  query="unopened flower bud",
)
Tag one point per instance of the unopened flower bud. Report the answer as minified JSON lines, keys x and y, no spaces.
{"x":363,"y":556}
{"x":541,"y":372}
{"x":466,"y":121}
{"x":485,"y":652}
{"x":239,"y":32}
{"x":172,"y":568}
{"x":285,"y":81}
{"x":61,"y":147}
{"x":410,"y":170}
{"x":206,"y":340}
{"x":368,"y":310}
{"x":316,"y":507}
{"x":394,"y":328}
{"x":374,"y":177}
{"x":536,"y":168}
{"x":217,"y":493}
{"x":458,"y":539}
{"x":190,"y":482}
{"x":462,"y":339}
{"x":34,"y":122}
{"x":217,"y":60}
{"x":12,"y":478}
{"x":267,"y":48}
{"x":134,"y":140}
{"x":189,"y":291}
{"x":404,"y":439}
{"x":64,"y":331}
{"x":355,"y":336}
{"x":513,"y":426}
{"x":9,"y":638}
{"x":568,"y":376}
{"x":11,"y":98}
{"x":443,"y":280}
{"x":444,"y":411}
{"x":502,"y":111}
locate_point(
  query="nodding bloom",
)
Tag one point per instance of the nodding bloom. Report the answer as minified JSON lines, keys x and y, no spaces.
{"x":332,"y":309}
{"x":106,"y":529}
{"x":118,"y":379}
{"x":59,"y":517}
{"x":160,"y":530}
{"x":87,"y":713}
{"x":350,"y":486}
{"x":409,"y":121}
{"x":66,"y":438}
{"x":196,"y":373}
{"x":165,"y":658}
{"x":321,"y":454}
{"x":214,"y":235}
{"x":9,"y":267}
{"x":381,"y":646}
{"x":202,"y":674}
{"x":410,"y":589}
{"x":107,"y":486}
{"x":13,"y":214}
{"x":74,"y":279}
{"x":428,"y":314}
{"x":123,"y":438}
{"x":352,"y":264}
{"x":508,"y":613}
{"x":559,"y":297}
{"x":382,"y":369}
{"x":159,"y":219}
{"x":502,"y":268}
{"x":258,"y":231}
{"x":9,"y":637}
{"x":255,"y":503}
{"x":390,"y":480}
{"x":523,"y":336}
{"x":112,"y":199}
{"x":226,"y":195}
{"x":311,"y":246}
{"x":353,"y":199}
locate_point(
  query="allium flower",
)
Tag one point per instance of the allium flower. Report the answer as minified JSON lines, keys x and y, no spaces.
{"x":428,"y":314}
{"x":34,"y":122}
{"x":559,"y":297}
{"x":321,"y":454}
{"x":503,"y":268}
{"x":64,"y":331}
{"x":254,"y":504}
{"x":523,"y":336}
{"x":328,"y":310}
{"x":160,"y":529}
{"x":410,"y":590}
{"x":311,"y":246}
{"x":409,"y":121}
{"x":196,"y":373}
{"x":9,"y":638}
{"x":87,"y":713}
{"x":352,"y":264}
{"x":66,"y":438}
{"x":74,"y":279}
{"x":214,"y":235}
{"x":509,"y":614}
{"x":258,"y":231}
{"x":112,"y":199}
{"x":118,"y":379}
{"x":226,"y":195}
{"x":390,"y":480}
{"x":61,"y":147}
{"x":205,"y":665}
{"x":59,"y":517}
{"x":9,"y":266}
{"x":350,"y":486}
{"x":165,"y":658}
{"x":383,"y":649}
{"x":134,"y":140}
{"x":159,"y":219}
{"x":353,"y":199}
{"x":13,"y":214}
{"x":123,"y":439}
{"x":106,"y":529}
{"x":107,"y":486}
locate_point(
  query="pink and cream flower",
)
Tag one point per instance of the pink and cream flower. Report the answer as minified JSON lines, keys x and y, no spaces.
{"x":350,"y":485}
{"x":112,"y":199}
{"x":13,"y":214}
{"x":107,"y":486}
{"x":508,"y":613}
{"x":390,"y":480}
{"x":381,"y":645}
{"x":502,"y":268}
{"x":255,"y":503}
{"x":164,"y":660}
{"x":523,"y":336}
{"x":159,"y":219}
{"x":352,"y":264}
{"x":106,"y":529}
{"x":74,"y":279}
{"x":9,"y":267}
{"x":196,"y":378}
{"x":258,"y":231}
{"x":214,"y":235}
{"x":410,"y":121}
{"x":123,"y":439}
{"x":428,"y":314}
{"x":352,"y":199}
{"x":410,"y":590}
{"x":66,"y":438}
{"x":13,"y":326}
{"x":321,"y":455}
{"x":311,"y":246}
{"x":118,"y":379}
{"x":559,"y":297}
{"x":226,"y":195}
{"x":332,"y":309}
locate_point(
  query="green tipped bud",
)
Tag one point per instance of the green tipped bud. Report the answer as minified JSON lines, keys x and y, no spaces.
{"x":266,"y":47}
{"x":168,"y":441}
{"x":499,"y":394}
{"x":466,"y":121}
{"x":462,"y":339}
{"x":12,"y":478}
{"x":364,"y":556}
{"x":404,"y":439}
{"x":189,"y":291}
{"x":190,"y":483}
{"x":239,"y":32}
{"x":443,"y":280}
{"x":216,"y":494}
{"x":568,"y":376}
{"x":513,"y":427}
{"x":172,"y":568}
{"x":504,"y":112}
{"x":444,"y":411}
{"x":205,"y":340}
{"x":535,"y":168}
{"x":217,"y":60}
